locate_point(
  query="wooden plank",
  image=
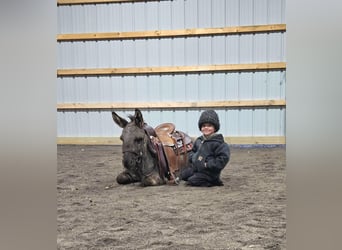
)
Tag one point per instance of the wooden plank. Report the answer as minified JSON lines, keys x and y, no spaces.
{"x":89,"y":140}
{"x":256,"y":140}
{"x":172,"y":33}
{"x":170,"y":105}
{"x":73,"y":2}
{"x":243,"y":140}
{"x":172,"y":69}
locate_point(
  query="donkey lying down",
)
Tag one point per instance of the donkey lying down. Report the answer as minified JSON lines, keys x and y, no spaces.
{"x":143,"y":156}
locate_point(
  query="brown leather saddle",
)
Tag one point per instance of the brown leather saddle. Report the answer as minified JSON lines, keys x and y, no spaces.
{"x":176,"y":145}
{"x":171,"y":147}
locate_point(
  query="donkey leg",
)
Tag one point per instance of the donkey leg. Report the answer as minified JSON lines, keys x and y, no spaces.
{"x":126,"y":178}
{"x":152,"y":180}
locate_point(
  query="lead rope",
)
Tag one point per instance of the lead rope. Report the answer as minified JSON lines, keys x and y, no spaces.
{"x":185,"y":152}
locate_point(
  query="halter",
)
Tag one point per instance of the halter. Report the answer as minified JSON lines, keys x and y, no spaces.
{"x":139,"y":155}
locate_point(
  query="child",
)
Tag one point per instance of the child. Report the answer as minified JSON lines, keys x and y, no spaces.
{"x":209,"y":155}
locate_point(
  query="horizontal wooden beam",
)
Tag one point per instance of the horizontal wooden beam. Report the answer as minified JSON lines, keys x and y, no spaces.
{"x":172,"y":69}
{"x":172,"y":33}
{"x":256,"y":140}
{"x":170,"y":105}
{"x":116,"y":141}
{"x":71,"y":2}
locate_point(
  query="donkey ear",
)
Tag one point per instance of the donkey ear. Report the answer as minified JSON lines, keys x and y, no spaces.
{"x":139,"y":120}
{"x":121,"y":122}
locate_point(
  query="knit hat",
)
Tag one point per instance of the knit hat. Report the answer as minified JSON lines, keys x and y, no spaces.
{"x":209,"y":116}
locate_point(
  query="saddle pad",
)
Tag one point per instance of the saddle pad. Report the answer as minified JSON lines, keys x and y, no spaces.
{"x":164,"y":132}
{"x":149,"y":130}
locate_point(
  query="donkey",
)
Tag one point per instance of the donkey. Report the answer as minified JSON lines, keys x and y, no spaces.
{"x":143,"y":153}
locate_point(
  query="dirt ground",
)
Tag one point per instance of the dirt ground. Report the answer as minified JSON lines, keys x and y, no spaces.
{"x":248,"y":212}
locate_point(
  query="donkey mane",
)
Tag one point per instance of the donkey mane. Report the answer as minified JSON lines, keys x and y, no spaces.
{"x":131,"y":117}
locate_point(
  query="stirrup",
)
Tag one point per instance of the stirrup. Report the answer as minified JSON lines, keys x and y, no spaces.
{"x":174,"y":181}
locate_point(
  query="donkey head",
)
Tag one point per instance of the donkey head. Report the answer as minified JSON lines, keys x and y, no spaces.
{"x":135,"y":143}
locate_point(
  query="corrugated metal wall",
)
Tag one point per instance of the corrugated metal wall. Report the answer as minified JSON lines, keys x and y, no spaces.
{"x":180,"y":51}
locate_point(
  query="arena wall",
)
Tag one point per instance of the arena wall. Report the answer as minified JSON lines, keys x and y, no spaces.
{"x":172,"y":59}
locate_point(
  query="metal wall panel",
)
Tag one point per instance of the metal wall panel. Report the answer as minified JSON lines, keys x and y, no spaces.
{"x":249,"y":48}
{"x":235,"y":122}
{"x":176,"y":14}
{"x":192,"y":87}
{"x":180,"y":51}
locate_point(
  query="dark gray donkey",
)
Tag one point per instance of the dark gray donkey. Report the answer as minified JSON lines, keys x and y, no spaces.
{"x":144,"y":157}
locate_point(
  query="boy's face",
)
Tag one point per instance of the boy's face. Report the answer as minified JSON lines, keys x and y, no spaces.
{"x":207,"y":129}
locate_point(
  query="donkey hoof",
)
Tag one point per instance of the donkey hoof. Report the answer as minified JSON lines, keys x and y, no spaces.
{"x":123,"y":179}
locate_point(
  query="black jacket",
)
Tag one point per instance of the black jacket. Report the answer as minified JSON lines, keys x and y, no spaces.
{"x":210,"y":155}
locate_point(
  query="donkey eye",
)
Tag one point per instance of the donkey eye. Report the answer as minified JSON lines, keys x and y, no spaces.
{"x":121,"y":138}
